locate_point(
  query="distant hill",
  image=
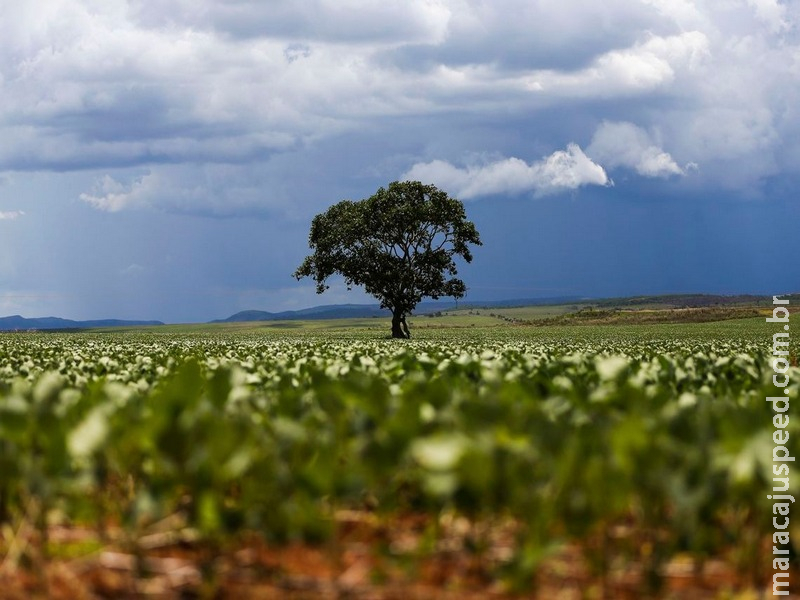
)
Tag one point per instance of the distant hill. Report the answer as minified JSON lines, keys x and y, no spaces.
{"x":333,"y":311}
{"x":365,"y":311}
{"x":362,"y":311}
{"x":18,"y":323}
{"x":692,"y":300}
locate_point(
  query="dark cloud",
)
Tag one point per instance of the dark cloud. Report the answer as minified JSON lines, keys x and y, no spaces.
{"x":520,"y":35}
{"x":382,"y":21}
{"x":236,"y":82}
{"x":199,"y":137}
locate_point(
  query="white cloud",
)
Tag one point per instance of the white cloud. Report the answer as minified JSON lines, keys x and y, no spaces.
{"x":117,"y":84}
{"x":363,"y":21}
{"x":771,"y":13}
{"x":176,"y":189}
{"x":112,"y":196}
{"x":626,"y":145}
{"x":11,"y":215}
{"x":210,"y":190}
{"x":684,"y":12}
{"x":561,"y":171}
{"x":637,"y":69}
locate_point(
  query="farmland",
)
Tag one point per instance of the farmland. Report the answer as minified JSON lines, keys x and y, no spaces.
{"x":321,"y":461}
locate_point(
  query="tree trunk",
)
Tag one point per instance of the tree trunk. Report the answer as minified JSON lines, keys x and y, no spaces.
{"x":399,"y":324}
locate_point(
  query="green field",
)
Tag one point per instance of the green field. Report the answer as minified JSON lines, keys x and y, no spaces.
{"x":320,"y":459}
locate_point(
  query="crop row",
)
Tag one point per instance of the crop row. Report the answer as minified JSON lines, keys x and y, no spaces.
{"x":670,"y":438}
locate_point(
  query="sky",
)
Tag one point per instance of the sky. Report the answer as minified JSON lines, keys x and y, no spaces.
{"x":163,"y":160}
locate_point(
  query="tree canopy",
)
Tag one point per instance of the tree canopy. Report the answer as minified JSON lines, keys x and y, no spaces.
{"x":400,"y":244}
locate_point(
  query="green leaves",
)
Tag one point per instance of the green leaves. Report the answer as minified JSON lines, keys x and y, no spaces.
{"x":567,"y":436}
{"x":90,"y":435}
{"x":400,"y":244}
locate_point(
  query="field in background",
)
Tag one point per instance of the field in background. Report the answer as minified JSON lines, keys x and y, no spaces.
{"x":482,"y":458}
{"x":626,"y":311}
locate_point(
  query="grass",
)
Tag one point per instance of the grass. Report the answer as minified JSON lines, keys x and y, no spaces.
{"x":565,"y":315}
{"x":280,"y":569}
{"x":558,"y":322}
{"x":753,"y":329}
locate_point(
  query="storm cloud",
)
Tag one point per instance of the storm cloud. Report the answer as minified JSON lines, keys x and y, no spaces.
{"x":131,"y":113}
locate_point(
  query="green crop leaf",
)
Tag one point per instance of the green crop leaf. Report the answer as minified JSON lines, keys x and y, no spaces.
{"x":90,"y":435}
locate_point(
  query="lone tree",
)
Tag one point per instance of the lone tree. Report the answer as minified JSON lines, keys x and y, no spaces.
{"x":399,"y":244}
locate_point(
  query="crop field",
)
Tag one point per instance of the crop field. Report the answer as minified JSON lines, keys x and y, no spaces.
{"x":293,"y":462}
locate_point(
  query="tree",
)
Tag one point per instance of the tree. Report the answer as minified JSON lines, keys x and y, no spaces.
{"x":400,"y":244}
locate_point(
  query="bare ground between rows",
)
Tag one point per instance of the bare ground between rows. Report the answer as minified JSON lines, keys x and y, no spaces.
{"x":370,"y":558}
